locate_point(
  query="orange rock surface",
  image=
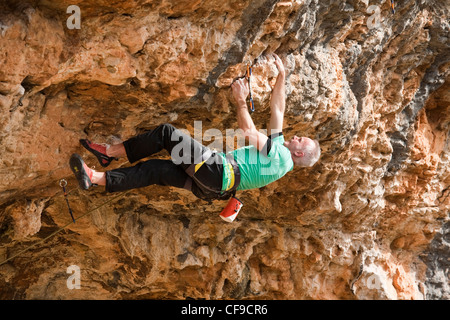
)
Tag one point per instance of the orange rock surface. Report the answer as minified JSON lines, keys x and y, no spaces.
{"x":369,"y":221}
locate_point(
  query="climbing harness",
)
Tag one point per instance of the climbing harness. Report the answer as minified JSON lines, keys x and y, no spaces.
{"x":249,"y":77}
{"x":210,"y":194}
{"x":392,"y":6}
{"x":231,"y":166}
{"x":63,"y":184}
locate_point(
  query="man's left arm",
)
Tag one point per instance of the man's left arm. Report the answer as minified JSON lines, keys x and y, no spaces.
{"x":240,"y":92}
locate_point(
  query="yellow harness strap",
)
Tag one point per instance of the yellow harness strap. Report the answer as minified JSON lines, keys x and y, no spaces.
{"x":197,"y":166}
{"x":228,"y":167}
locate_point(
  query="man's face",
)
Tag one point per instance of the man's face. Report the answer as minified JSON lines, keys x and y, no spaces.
{"x":299,"y":144}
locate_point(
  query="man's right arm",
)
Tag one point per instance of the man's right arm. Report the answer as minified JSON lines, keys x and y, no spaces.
{"x":278,"y":99}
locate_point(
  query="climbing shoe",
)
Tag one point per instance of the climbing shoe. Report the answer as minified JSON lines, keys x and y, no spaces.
{"x":98,"y":150}
{"x":81,"y":171}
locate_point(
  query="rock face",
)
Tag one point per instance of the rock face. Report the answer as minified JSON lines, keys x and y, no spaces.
{"x":369,"y":221}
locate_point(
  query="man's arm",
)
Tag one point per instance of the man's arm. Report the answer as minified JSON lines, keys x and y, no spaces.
{"x":240,"y":92}
{"x":278,"y":99}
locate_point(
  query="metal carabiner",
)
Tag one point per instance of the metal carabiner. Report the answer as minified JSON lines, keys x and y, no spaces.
{"x":249,"y":76}
{"x":62,"y":183}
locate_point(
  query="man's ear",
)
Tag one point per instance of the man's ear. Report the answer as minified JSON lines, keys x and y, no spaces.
{"x":299,"y":154}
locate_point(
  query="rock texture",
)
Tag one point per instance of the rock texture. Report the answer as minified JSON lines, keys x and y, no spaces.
{"x":369,"y":221}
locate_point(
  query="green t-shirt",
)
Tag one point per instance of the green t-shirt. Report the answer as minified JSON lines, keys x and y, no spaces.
{"x":258,"y":169}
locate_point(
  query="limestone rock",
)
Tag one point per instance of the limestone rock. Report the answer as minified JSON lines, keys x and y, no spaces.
{"x":368,"y":221}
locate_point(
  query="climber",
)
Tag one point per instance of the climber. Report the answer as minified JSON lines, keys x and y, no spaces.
{"x":208,"y":174}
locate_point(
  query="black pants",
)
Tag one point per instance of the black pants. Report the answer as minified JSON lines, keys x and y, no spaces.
{"x":184,"y":151}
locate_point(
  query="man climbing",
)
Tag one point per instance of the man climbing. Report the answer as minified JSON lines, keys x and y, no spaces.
{"x":208,"y":174}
